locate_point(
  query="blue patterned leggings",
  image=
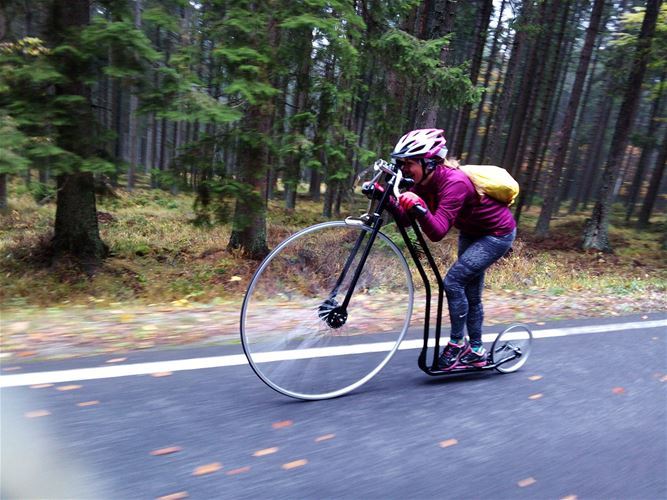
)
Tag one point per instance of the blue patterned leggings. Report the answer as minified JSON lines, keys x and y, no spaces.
{"x":464,"y":282}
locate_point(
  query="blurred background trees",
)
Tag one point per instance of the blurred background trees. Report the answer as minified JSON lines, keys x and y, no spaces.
{"x":242,"y":101}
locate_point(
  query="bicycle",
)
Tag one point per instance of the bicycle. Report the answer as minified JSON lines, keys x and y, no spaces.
{"x":336,"y":319}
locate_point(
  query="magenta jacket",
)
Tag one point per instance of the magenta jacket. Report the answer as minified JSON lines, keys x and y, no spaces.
{"x":453,"y":201}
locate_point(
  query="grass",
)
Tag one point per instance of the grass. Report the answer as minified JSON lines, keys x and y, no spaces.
{"x":159,"y":256}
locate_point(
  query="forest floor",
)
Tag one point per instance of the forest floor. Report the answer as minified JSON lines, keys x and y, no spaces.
{"x":170,"y":282}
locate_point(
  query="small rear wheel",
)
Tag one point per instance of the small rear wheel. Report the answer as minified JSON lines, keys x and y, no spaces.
{"x":511,"y":348}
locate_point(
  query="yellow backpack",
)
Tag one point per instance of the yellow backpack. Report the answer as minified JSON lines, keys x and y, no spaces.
{"x":493,"y":181}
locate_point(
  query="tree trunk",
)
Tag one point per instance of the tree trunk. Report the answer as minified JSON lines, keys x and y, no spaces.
{"x":329,"y":196}
{"x":592,"y":159}
{"x":483,"y":158}
{"x":530,"y":84}
{"x":76,"y":230}
{"x":653,"y":125}
{"x":280,"y":82}
{"x":362,"y":115}
{"x":565,"y":133}
{"x":249,"y":222}
{"x":437,"y":21}
{"x":134,"y":105}
{"x":293,"y":165}
{"x":596,"y":233}
{"x":547,"y":85}
{"x":496,"y":128}
{"x":562,"y":73}
{"x":574,"y":169}
{"x":3,"y":191}
{"x":654,"y":185}
{"x":322,"y":126}
{"x":118,"y":128}
{"x":480,"y":40}
{"x":495,"y":46}
{"x":162,"y":165}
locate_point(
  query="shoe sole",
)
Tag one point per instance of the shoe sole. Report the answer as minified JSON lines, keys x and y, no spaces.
{"x":477,"y":365}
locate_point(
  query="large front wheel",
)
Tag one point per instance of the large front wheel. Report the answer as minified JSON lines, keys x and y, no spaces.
{"x":297,"y":335}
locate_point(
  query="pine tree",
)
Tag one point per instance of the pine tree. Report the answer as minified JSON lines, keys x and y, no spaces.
{"x":566,"y":130}
{"x":251,"y":28}
{"x":76,"y":230}
{"x":654,"y":185}
{"x":596,"y":234}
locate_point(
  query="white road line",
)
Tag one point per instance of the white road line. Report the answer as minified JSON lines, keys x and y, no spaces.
{"x":102,"y":372}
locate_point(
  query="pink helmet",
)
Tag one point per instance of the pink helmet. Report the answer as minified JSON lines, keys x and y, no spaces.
{"x":421,"y":143}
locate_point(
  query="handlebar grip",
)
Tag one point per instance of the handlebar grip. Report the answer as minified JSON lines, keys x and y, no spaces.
{"x":418,"y":210}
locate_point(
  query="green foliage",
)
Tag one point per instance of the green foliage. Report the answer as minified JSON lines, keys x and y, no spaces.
{"x":625,"y":41}
{"x":42,"y":192}
{"x":12,"y":144}
{"x":421,"y":59}
{"x":158,"y":16}
{"x":238,"y":55}
{"x":196,"y":105}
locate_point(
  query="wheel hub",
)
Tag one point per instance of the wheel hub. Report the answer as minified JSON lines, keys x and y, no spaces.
{"x":333,"y":314}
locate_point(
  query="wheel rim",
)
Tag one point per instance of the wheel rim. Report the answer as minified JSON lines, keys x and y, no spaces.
{"x":293,"y":341}
{"x":516,"y":339}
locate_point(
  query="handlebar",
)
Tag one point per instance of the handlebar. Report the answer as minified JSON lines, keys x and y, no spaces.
{"x":399,"y":182}
{"x":418,"y":210}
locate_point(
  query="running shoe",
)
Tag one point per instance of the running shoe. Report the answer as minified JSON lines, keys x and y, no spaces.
{"x":449,"y":359}
{"x":475,"y":358}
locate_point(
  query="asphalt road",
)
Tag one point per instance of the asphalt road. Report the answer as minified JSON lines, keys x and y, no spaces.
{"x":586,"y":417}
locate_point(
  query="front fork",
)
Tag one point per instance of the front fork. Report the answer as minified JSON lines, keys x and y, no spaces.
{"x":331,"y":311}
{"x":335,"y":314}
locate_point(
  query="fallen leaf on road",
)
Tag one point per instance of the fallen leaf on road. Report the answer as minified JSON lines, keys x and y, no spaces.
{"x":644,"y":317}
{"x":569,"y":497}
{"x":88,"y":403}
{"x":326,"y":437}
{"x":161,"y":374}
{"x":116,"y":360}
{"x":618,"y":390}
{"x":447,"y":443}
{"x":535,"y":377}
{"x":11,"y":368}
{"x":526,"y":482}
{"x":295,"y":464}
{"x":267,"y":451}
{"x":207,"y":469}
{"x":536,"y":396}
{"x":282,"y":424}
{"x":663,"y":378}
{"x":240,"y":470}
{"x":166,"y":451}
{"x":175,"y":496}
{"x":68,"y":387}
{"x":541,"y":323}
{"x":41,"y":386}
{"x":37,"y":413}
